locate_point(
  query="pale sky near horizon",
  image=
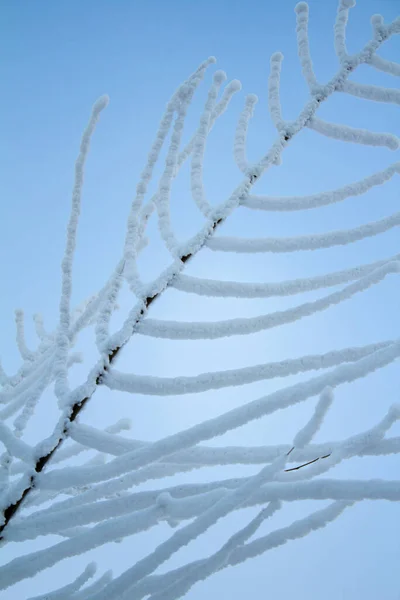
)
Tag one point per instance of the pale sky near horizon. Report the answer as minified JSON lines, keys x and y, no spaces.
{"x":57,"y":59}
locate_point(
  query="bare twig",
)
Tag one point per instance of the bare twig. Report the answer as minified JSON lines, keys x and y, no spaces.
{"x":310,"y":462}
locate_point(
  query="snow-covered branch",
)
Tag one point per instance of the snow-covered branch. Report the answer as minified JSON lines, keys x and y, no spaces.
{"x":99,"y":500}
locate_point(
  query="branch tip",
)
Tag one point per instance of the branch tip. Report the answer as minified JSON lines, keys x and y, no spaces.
{"x":301,"y":7}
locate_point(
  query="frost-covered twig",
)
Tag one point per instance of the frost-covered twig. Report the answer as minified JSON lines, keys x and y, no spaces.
{"x":68,"y":592}
{"x":340,"y":28}
{"x":239,"y":146}
{"x":21,"y":343}
{"x":303,"y":44}
{"x":314,"y":241}
{"x":166,"y":386}
{"x":62,"y":348}
{"x":281,"y":203}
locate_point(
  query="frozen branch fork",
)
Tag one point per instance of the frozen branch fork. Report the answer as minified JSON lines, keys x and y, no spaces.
{"x":97,"y":503}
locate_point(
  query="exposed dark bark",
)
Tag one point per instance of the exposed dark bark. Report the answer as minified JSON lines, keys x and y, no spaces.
{"x":10,"y":511}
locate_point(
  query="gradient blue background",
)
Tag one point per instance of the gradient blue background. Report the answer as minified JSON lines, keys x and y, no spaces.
{"x":58,"y":57}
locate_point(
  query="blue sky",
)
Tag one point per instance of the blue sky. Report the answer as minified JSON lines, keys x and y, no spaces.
{"x":59,"y":57}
